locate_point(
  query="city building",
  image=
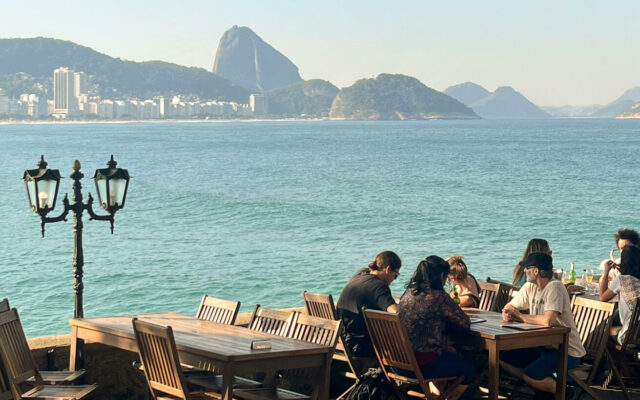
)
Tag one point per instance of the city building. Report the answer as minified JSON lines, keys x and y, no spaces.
{"x":259,"y":104}
{"x":4,"y":103}
{"x":64,"y":99}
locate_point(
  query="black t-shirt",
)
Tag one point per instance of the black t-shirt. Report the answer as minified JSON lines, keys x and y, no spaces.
{"x":362,"y":290}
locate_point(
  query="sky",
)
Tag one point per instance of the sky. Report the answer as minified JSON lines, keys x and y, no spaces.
{"x":553,"y":52}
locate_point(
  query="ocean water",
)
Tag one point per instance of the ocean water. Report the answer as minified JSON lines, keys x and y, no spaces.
{"x":261,"y":211}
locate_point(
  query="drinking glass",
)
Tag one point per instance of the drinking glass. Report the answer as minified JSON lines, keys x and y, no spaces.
{"x":566,"y":277}
{"x":614,"y":255}
{"x":588,"y":278}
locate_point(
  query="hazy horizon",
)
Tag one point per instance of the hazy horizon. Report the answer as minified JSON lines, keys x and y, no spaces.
{"x":569,"y":53}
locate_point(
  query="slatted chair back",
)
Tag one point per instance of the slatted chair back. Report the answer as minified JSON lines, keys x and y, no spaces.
{"x":17,"y":359}
{"x":320,"y":305}
{"x":159,"y":356}
{"x":506,"y":293}
{"x":393,"y":349}
{"x":316,"y":330}
{"x":4,"y":305}
{"x":5,"y":388}
{"x":593,"y":321}
{"x":218,"y":310}
{"x":489,"y":296}
{"x":275,"y":322}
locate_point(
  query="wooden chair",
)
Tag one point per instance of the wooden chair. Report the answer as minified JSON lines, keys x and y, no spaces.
{"x":4,"y":305}
{"x":218,"y":310}
{"x":505,"y":293}
{"x":222,"y":312}
{"x":630,"y":350}
{"x":19,"y":365}
{"x":309,"y":329}
{"x":322,"y":305}
{"x":393,"y":349}
{"x":159,"y":356}
{"x":275,"y":322}
{"x":489,"y":296}
{"x":593,"y":321}
{"x":5,"y":388}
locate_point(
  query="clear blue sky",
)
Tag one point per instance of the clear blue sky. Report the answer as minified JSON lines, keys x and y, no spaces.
{"x":554,"y":52}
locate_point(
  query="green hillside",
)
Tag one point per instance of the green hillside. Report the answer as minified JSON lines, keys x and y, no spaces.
{"x":396,"y":97}
{"x":38,"y":58}
{"x":311,"y":98}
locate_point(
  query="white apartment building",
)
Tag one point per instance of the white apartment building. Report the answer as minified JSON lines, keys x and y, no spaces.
{"x":259,"y":104}
{"x":64,"y":99}
{"x":4,"y":103}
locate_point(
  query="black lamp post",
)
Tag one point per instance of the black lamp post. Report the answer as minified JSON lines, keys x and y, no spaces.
{"x":42,"y":190}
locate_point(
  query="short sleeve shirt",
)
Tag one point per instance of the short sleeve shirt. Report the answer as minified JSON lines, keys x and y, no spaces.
{"x":554,"y":297}
{"x":625,"y":305}
{"x":362,"y":290}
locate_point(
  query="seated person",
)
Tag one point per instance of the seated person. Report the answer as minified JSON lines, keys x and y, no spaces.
{"x":622,"y":238}
{"x":429,"y":313}
{"x":466,"y":285}
{"x":548,"y":303}
{"x":626,"y":285}
{"x":534,"y":246}
{"x":369,"y":288}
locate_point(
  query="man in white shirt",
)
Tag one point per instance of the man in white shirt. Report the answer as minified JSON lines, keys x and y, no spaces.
{"x":549,"y":305}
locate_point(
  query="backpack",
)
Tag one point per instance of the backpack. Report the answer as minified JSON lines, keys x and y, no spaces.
{"x":373,"y":385}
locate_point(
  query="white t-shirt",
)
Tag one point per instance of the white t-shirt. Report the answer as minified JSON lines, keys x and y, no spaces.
{"x":554,"y":297}
{"x":625,"y":307}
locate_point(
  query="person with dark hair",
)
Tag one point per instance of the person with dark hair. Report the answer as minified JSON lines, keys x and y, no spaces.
{"x":429,"y":313}
{"x":626,"y":285}
{"x":534,"y":246}
{"x":466,"y":285}
{"x":368,"y":288}
{"x":622,"y":238}
{"x":548,"y":303}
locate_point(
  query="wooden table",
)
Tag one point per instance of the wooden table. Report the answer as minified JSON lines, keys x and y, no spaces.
{"x":208,"y":345}
{"x":494,"y":337}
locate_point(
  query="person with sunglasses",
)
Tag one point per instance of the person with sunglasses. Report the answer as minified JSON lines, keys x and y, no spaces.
{"x":549,"y":305}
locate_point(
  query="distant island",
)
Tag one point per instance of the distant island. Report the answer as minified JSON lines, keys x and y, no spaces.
{"x":249,"y":79}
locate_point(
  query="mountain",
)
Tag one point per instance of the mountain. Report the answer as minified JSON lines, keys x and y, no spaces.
{"x":568,"y":111}
{"x":247,"y":60}
{"x":467,"y":93}
{"x":395,"y":97}
{"x":506,"y":103}
{"x":311,"y":98}
{"x":633,"y":112}
{"x":620,"y":105}
{"x":38,"y":57}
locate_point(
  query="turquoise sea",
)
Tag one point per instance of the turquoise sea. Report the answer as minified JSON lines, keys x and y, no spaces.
{"x":260,"y":211}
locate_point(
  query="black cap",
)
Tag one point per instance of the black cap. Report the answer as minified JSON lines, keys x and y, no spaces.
{"x":539,"y":260}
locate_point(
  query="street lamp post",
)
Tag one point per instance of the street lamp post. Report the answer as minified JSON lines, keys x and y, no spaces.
{"x":42,"y":191}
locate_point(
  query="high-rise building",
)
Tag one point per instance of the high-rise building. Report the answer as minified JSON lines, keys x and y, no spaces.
{"x":259,"y":104}
{"x":4,"y":103}
{"x":64,"y":99}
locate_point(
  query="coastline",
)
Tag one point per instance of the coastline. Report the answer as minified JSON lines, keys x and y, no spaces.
{"x":159,"y":121}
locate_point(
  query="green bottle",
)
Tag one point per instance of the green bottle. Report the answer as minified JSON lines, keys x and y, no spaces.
{"x":573,"y":273}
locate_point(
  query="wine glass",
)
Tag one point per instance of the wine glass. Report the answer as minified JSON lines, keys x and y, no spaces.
{"x":587,"y":276}
{"x":614,"y":255}
{"x":566,"y":277}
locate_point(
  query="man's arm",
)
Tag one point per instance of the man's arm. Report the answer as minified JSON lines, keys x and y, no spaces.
{"x":393,"y":308}
{"x":547,"y":319}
